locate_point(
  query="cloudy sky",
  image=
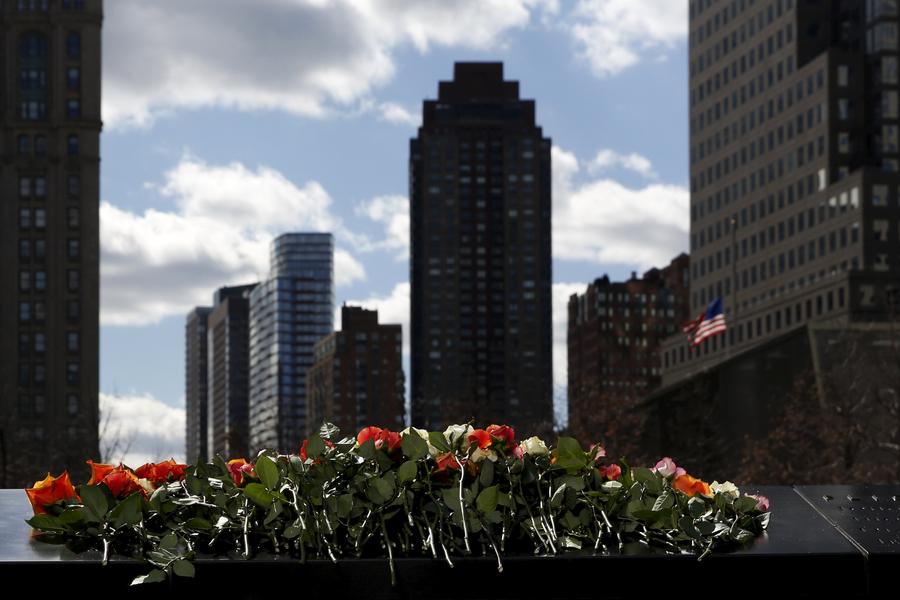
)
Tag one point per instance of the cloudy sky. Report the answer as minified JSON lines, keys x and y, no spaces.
{"x":227,"y":122}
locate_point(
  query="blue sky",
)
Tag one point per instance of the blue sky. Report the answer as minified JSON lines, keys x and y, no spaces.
{"x":231,"y":122}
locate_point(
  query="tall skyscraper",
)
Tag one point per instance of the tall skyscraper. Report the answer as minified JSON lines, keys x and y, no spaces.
{"x":49,"y":237}
{"x":357,"y":378}
{"x":480,"y":259}
{"x":289,"y":312}
{"x":228,"y":396}
{"x":795,"y":153}
{"x":615,"y":330}
{"x":195,"y":384}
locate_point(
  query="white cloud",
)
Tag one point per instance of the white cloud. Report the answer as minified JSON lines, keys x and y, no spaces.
{"x":160,"y":263}
{"x":610,"y":159}
{"x":602,"y":221}
{"x":392,"y":309}
{"x":306,"y":57}
{"x":138,"y":428}
{"x":394,"y":113}
{"x":392,"y":212}
{"x":613,"y":35}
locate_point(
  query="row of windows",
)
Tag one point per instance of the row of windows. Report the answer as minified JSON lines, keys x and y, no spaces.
{"x":44,"y":5}
{"x":730,"y":11}
{"x":37,"y":342}
{"x":35,"y":186}
{"x":37,"y":374}
{"x":36,"y":218}
{"x":37,"y":311}
{"x":27,"y":145}
{"x":37,"y":280}
{"x":777,"y":232}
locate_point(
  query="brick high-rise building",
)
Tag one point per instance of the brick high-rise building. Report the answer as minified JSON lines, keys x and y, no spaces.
{"x":228,"y":397}
{"x":49,"y":237}
{"x":795,"y":168}
{"x":357,"y":378}
{"x":289,"y":312}
{"x":480,"y":258}
{"x":614,"y":334}
{"x":195,"y":384}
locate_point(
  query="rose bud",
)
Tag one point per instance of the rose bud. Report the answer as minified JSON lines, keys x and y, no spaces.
{"x":49,"y":491}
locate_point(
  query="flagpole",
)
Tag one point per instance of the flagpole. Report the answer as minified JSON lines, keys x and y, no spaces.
{"x":734,"y":283}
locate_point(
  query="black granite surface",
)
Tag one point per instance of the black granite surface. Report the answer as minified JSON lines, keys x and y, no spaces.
{"x":801,"y":555}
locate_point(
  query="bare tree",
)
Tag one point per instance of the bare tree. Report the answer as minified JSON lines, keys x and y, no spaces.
{"x":114,"y":443}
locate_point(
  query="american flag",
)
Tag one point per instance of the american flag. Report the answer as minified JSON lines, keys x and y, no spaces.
{"x":709,"y":323}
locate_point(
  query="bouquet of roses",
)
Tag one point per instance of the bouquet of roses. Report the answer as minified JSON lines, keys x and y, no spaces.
{"x":459,"y":492}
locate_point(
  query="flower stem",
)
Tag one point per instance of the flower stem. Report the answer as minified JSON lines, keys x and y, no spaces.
{"x":387,"y":542}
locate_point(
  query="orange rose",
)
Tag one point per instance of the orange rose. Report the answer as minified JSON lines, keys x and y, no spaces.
{"x":98,"y":472}
{"x":384,"y":439}
{"x":49,"y":491}
{"x":161,"y":473}
{"x":691,"y":486}
{"x":368,"y":433}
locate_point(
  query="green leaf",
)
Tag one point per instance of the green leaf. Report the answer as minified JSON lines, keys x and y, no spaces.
{"x":291,"y":531}
{"x":665,"y":500}
{"x":268,"y":472}
{"x":46,"y":523}
{"x":183,"y":568}
{"x":367,"y":450}
{"x":198,"y":524}
{"x":414,"y":446}
{"x":439,"y":441}
{"x":72,"y":516}
{"x":259,"y":495}
{"x":94,"y":500}
{"x":345,"y":505}
{"x":127,"y":512}
{"x":574,"y":482}
{"x":698,"y":507}
{"x":488,"y":498}
{"x":169,"y":542}
{"x":385,"y":486}
{"x":408,"y":471}
{"x":570,"y":456}
{"x":745,"y":504}
{"x":154,"y":576}
{"x":315,"y":446}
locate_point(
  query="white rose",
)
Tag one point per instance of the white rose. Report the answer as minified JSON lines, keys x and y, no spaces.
{"x":479,"y":455}
{"x":457,"y":434}
{"x":535,"y":446}
{"x":727,"y":488}
{"x":424,"y":435}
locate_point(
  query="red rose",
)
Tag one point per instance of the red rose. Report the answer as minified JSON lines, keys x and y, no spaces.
{"x":481,"y":438}
{"x":613,"y":471}
{"x":445,"y":462}
{"x":49,"y":491}
{"x":504,"y":433}
{"x":383,"y":438}
{"x":161,"y":473}
{"x":303,"y":457}
{"x":122,"y":482}
{"x":239,"y":468}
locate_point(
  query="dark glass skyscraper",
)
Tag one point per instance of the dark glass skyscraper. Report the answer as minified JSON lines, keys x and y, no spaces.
{"x":49,"y":237}
{"x":289,"y":312}
{"x":480,"y":259}
{"x":196,"y":384}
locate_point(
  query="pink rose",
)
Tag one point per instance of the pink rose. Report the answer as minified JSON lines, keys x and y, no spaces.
{"x":667,"y":467}
{"x":762,"y":503}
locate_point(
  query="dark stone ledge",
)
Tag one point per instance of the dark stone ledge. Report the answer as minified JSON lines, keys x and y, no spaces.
{"x":808,"y":551}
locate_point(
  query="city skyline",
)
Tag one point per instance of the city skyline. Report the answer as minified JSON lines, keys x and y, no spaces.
{"x":164,"y":178}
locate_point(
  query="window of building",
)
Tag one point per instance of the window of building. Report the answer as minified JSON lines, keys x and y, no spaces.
{"x":72,"y":146}
{"x":73,"y":249}
{"x":72,"y":404}
{"x":40,"y":249}
{"x":72,"y":341}
{"x":40,"y":218}
{"x":73,"y":280}
{"x":73,"y":45}
{"x":72,"y":373}
{"x":23,"y":146}
{"x":40,"y":280}
{"x":73,"y":78}
{"x":73,"y":185}
{"x":25,"y":218}
{"x":73,"y":108}
{"x":72,"y":217}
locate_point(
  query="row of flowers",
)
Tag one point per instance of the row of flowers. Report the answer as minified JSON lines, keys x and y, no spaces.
{"x":413,"y":492}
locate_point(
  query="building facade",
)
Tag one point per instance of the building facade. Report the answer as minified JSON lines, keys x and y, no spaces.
{"x":289,"y":312}
{"x":795,"y":153}
{"x":480,"y":266}
{"x":615,"y":331}
{"x":357,"y":378}
{"x":49,"y":237}
{"x":195,"y":384}
{"x":228,"y":397}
